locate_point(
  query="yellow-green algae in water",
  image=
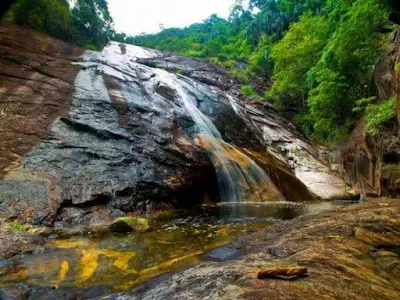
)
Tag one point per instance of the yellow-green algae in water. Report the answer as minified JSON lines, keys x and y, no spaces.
{"x":120,"y":262}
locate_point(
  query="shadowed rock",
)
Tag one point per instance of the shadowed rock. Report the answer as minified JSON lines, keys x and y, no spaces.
{"x":106,"y":133}
{"x":372,"y":163}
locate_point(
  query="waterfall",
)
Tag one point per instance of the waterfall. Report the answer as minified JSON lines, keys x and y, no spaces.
{"x":240,"y":178}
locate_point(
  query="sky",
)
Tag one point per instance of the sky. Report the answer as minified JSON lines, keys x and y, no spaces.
{"x":136,"y":16}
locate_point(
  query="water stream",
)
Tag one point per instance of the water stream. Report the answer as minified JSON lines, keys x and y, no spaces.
{"x":99,"y":262}
{"x":240,"y":178}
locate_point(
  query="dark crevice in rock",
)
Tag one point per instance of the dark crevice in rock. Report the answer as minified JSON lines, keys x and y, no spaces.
{"x":129,"y":191}
{"x":99,"y":133}
{"x":391,"y":157}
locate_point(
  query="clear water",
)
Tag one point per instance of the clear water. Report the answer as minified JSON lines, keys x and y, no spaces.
{"x":118,"y":262}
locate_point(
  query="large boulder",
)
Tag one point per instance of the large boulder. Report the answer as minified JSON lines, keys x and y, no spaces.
{"x":257,"y":126}
{"x":74,"y":135}
{"x":90,"y":136}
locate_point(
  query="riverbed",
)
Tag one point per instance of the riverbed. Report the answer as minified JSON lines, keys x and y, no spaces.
{"x":108,"y":262}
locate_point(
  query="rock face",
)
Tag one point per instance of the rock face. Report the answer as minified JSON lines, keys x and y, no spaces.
{"x":277,"y":136}
{"x":372,"y":164}
{"x":13,"y":242}
{"x":90,"y":136}
{"x":348,"y":253}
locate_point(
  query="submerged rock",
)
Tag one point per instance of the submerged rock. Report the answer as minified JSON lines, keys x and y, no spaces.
{"x":129,"y":224}
{"x":348,"y":252}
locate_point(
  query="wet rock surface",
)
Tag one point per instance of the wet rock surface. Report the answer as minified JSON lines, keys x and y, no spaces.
{"x":282,"y":272}
{"x":348,"y":253}
{"x":129,"y":224}
{"x":101,"y":146}
{"x":259,"y":128}
{"x":372,"y":163}
{"x":13,"y":242}
{"x":91,"y":137}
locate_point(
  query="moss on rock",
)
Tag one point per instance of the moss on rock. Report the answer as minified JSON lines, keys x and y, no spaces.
{"x":129,"y":224}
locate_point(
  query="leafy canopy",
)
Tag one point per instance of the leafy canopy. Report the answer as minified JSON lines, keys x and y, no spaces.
{"x":320,"y":54}
{"x":88,"y":23}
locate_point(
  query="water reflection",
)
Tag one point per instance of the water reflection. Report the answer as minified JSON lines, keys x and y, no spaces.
{"x":271,"y":211}
{"x":119,"y":262}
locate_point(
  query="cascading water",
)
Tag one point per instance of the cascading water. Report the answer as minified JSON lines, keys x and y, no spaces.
{"x":240,"y":178}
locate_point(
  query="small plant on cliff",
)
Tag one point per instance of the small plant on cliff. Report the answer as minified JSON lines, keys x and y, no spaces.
{"x":363,"y":103}
{"x":18,"y":226}
{"x":248,"y":90}
{"x":397,"y":67}
{"x":376,"y":115}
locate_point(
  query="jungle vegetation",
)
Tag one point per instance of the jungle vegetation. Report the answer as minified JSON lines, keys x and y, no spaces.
{"x":320,"y":55}
{"x":317,"y":57}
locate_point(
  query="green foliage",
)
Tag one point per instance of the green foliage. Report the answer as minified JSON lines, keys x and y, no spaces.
{"x":241,"y":75}
{"x":260,"y":61}
{"x":276,"y":15}
{"x":119,"y":37}
{"x":320,"y":54}
{"x":91,"y":47}
{"x":376,"y":115}
{"x":18,"y":226}
{"x":92,"y":22}
{"x":221,"y":41}
{"x":295,"y":55}
{"x":397,"y":67}
{"x":362,"y":104}
{"x":248,"y":90}
{"x":48,"y":16}
{"x":345,"y":68}
{"x":88,"y":23}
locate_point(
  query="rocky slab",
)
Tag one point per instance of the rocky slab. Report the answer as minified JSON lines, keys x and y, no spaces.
{"x":102,"y":134}
{"x":347,"y":253}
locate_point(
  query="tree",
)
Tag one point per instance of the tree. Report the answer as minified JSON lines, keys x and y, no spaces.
{"x":294,"y":56}
{"x":48,"y":16}
{"x":345,"y":69}
{"x":89,"y":24}
{"x":92,"y":22}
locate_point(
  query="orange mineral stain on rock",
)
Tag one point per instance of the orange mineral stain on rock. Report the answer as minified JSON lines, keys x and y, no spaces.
{"x":63,"y":273}
{"x":88,"y":264}
{"x":89,"y":255}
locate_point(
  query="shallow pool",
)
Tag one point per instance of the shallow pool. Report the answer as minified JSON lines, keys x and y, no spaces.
{"x":86,"y":259}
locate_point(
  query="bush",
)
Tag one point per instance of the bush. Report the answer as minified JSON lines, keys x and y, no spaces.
{"x":248,"y":90}
{"x":376,"y":115}
{"x":91,"y":47}
{"x":89,"y":24}
{"x":18,"y":226}
{"x":241,"y":75}
{"x":48,"y":16}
